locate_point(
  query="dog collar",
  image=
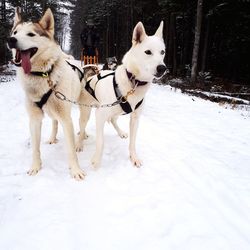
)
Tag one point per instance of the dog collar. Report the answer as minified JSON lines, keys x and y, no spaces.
{"x":131,"y":77}
{"x":36,"y":73}
{"x":42,"y":74}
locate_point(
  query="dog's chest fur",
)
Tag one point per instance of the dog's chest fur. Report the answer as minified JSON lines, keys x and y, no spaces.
{"x":35,"y":87}
{"x":62,"y":76}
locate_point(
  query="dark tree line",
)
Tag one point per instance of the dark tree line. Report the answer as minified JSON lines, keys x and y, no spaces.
{"x":224,"y":38}
{"x":224,"y":42}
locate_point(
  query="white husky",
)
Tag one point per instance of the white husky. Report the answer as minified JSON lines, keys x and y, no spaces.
{"x":125,"y":89}
{"x":42,"y":69}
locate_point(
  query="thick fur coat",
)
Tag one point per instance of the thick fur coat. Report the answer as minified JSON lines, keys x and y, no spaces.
{"x":35,"y":50}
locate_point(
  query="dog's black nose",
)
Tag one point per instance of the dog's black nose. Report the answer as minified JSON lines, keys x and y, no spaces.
{"x":12,"y":41}
{"x":161,"y":69}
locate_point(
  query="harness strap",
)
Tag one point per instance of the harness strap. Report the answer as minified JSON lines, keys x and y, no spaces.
{"x":44,"y":99}
{"x":46,"y":96}
{"x":131,"y":77}
{"x":80,"y":73}
{"x":89,"y":89}
{"x":124,"y":104}
{"x":42,"y":74}
{"x":99,"y":77}
{"x":138,"y":104}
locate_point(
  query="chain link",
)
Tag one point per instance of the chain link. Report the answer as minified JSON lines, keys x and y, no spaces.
{"x":62,"y":97}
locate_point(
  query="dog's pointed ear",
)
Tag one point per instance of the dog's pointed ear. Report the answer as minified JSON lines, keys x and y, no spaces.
{"x":139,"y":33}
{"x":159,"y":31}
{"x":47,"y":22}
{"x":17,"y":17}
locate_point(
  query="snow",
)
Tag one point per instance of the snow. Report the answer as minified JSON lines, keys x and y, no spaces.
{"x":193,"y":191}
{"x":225,"y":95}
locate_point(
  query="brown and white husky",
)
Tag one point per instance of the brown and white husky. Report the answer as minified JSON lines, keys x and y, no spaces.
{"x":42,"y":68}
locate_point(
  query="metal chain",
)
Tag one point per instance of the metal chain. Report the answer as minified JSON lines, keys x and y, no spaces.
{"x":62,"y":97}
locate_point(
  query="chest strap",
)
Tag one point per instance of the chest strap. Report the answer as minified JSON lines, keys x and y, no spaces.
{"x":46,"y":96}
{"x":124,"y":104}
{"x":99,"y":77}
{"x":44,"y":99}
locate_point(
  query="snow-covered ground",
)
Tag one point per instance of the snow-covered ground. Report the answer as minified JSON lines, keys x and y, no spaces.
{"x":192,"y":193}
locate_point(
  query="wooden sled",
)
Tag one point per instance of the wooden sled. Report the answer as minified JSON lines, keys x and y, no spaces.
{"x":85,"y":59}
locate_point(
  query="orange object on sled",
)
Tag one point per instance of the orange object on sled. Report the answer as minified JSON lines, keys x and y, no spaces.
{"x":85,"y":59}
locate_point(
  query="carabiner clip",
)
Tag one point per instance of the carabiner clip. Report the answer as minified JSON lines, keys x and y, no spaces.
{"x":60,"y":95}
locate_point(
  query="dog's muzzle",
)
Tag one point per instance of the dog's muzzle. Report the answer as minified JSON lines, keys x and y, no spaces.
{"x":12,"y":42}
{"x":160,"y":70}
{"x":21,"y":56}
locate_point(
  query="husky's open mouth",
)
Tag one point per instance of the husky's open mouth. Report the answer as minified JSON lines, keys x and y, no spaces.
{"x":23,"y":57}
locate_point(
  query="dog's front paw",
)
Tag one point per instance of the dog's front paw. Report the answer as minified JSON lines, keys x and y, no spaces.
{"x":77,"y":173}
{"x":79,"y":147}
{"x":34,"y":169}
{"x":123,"y":134}
{"x":52,"y":141}
{"x":135,"y":161}
{"x":95,"y":163}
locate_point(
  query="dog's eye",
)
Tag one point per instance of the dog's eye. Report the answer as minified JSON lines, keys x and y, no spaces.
{"x":148,"y":52}
{"x":31,"y":34}
{"x":162,"y":52}
{"x":15,"y":32}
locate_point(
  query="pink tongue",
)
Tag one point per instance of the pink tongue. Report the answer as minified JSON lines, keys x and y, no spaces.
{"x":25,"y":56}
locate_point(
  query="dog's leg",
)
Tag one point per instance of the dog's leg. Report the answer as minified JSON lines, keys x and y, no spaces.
{"x":36,"y":116}
{"x":121,"y":133}
{"x":134,"y":120}
{"x":52,"y":138}
{"x":68,"y":130}
{"x":100,"y":121}
{"x":84,"y":117}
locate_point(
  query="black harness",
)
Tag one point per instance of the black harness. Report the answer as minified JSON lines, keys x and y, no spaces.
{"x":126,"y":107}
{"x":99,"y":77}
{"x":44,"y":99}
{"x":80,"y":73}
{"x":124,"y":104}
{"x":46,"y":96}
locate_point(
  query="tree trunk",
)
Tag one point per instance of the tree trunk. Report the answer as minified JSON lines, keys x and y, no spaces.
{"x":205,"y":48}
{"x":196,"y":41}
{"x":174,"y":46}
{"x":166,"y":38}
{"x":170,"y":45}
{"x":3,"y":20}
{"x":107,"y":38}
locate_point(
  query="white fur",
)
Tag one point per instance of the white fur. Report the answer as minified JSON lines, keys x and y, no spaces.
{"x":144,"y":68}
{"x":66,"y":80}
